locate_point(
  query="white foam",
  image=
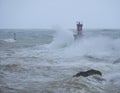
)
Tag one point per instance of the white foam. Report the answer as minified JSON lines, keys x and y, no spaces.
{"x":9,"y":40}
{"x":62,"y":38}
{"x":99,"y":47}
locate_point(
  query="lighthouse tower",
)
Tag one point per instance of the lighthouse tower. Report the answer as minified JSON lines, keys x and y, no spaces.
{"x":79,"y":28}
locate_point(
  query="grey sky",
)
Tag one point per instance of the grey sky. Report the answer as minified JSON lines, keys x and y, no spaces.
{"x":47,"y":13}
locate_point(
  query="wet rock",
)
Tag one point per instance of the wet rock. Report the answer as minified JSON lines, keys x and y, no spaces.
{"x":88,"y":73}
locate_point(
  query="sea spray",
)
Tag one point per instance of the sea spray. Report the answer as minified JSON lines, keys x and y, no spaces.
{"x":100,"y":47}
{"x":62,"y":38}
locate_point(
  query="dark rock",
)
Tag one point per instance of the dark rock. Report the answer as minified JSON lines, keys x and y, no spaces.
{"x":88,"y":73}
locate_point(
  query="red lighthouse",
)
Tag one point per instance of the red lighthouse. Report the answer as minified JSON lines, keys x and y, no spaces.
{"x":79,"y":28}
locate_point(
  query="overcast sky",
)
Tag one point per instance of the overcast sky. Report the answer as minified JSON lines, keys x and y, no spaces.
{"x":65,"y":13}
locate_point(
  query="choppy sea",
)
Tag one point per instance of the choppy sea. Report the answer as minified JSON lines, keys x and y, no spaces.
{"x":44,"y":61}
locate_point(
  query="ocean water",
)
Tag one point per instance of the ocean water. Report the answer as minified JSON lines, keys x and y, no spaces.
{"x":44,"y":61}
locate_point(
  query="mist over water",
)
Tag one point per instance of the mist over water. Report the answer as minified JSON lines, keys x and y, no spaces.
{"x":45,"y":61}
{"x":62,"y":38}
